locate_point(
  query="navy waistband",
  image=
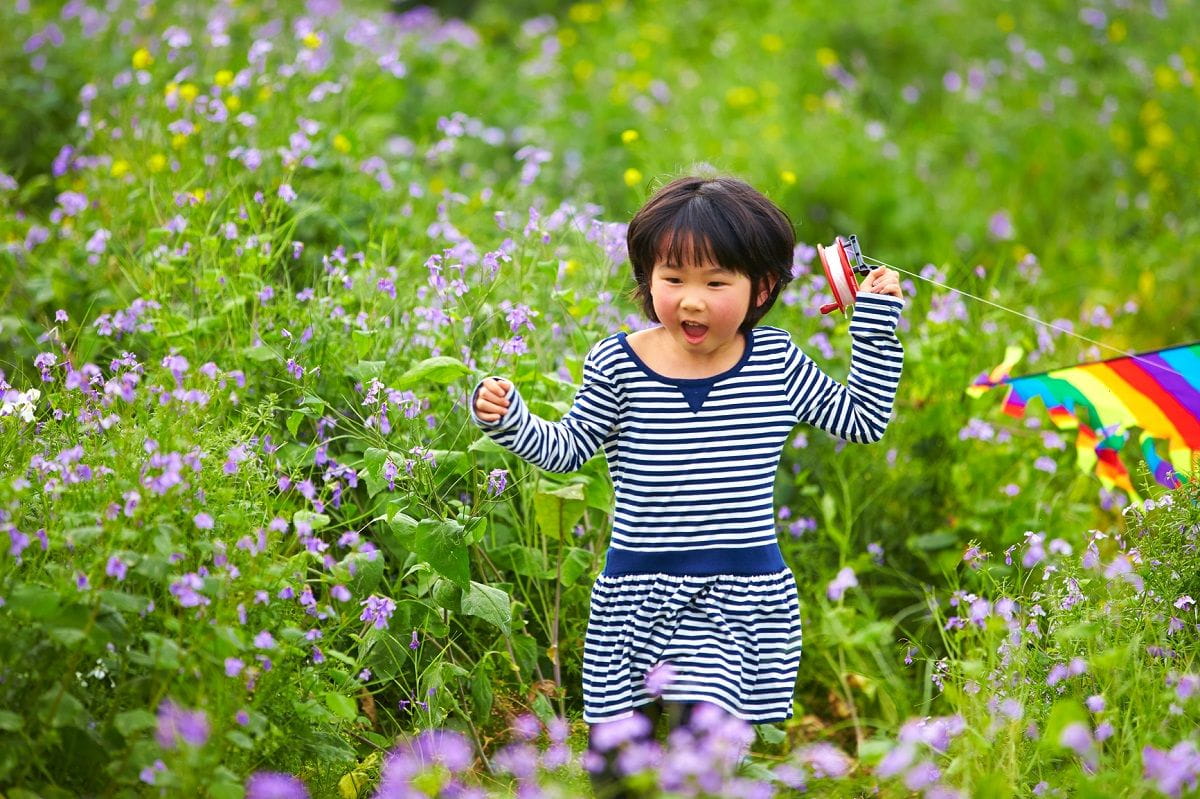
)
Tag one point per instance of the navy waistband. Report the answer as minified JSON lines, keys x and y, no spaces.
{"x":765,"y":559}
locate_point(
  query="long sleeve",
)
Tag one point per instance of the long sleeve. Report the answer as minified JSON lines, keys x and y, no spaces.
{"x":858,"y":411}
{"x":562,"y":446}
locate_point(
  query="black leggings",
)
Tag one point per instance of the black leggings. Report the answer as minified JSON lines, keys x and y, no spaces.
{"x":606,"y":784}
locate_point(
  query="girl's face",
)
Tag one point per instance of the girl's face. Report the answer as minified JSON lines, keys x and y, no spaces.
{"x":715,"y":299}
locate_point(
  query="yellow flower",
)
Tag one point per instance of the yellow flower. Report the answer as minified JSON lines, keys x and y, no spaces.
{"x":188,"y":92}
{"x":200,"y":194}
{"x":233,"y":102}
{"x":157,"y":162}
{"x":826,"y":57}
{"x":567,"y":37}
{"x":1160,"y":136}
{"x":224,"y":77}
{"x":170,"y":89}
{"x":264,"y":93}
{"x":633,"y":177}
{"x":437,"y":186}
{"x":1146,"y":161}
{"x":1165,"y":77}
{"x":178,"y":140}
{"x":640,"y":50}
{"x":119,"y":167}
{"x":741,"y":96}
{"x":788,"y":177}
{"x":629,"y":136}
{"x":142,"y":58}
{"x":341,"y":143}
{"x":1117,"y":31}
{"x":772,"y":42}
{"x":572,"y":265}
{"x":1006,"y":23}
{"x":583,"y":70}
{"x":812,"y":103}
{"x":311,"y":40}
{"x":585,"y":12}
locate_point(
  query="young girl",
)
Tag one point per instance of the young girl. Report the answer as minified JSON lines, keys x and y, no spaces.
{"x":693,"y":415}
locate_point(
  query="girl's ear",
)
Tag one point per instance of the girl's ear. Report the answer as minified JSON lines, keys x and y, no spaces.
{"x":771,"y":280}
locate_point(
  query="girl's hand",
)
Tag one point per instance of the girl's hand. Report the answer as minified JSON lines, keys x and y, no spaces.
{"x":491,"y":403}
{"x":883,"y":281}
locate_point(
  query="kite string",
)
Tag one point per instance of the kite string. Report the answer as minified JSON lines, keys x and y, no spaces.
{"x":1024,"y":316}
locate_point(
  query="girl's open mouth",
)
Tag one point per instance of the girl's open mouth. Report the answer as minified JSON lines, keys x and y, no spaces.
{"x":694,"y":333}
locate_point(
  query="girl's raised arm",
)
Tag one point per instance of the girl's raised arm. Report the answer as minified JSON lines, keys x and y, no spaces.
{"x":562,"y":446}
{"x":860,"y":410}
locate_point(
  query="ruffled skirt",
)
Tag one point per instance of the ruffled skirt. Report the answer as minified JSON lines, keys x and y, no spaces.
{"x":732,"y":640}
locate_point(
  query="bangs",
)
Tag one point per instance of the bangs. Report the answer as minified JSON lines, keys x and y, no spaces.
{"x":698,"y":235}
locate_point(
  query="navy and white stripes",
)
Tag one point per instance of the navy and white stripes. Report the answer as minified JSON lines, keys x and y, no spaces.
{"x":693,"y":464}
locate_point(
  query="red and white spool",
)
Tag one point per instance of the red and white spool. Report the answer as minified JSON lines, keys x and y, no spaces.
{"x":839,"y":271}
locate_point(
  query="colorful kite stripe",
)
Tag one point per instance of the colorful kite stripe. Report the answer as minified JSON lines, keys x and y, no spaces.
{"x":1157,"y":392}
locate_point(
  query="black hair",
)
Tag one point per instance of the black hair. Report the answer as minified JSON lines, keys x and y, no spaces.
{"x":718,"y":220}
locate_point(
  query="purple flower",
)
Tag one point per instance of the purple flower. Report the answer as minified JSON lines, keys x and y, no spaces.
{"x":274,"y":785}
{"x":187,"y":590}
{"x":844,"y":579}
{"x":1000,"y":226}
{"x":378,"y":610}
{"x":497,"y":481}
{"x":175,"y":723}
{"x":527,"y":726}
{"x":1172,"y":770}
{"x":414,"y":643}
{"x":826,"y":760}
{"x":115,"y":568}
{"x":340,"y":593}
{"x":234,"y":666}
{"x":203,"y":521}
{"x":659,"y":677}
{"x":286,"y":193}
{"x":264,"y":640}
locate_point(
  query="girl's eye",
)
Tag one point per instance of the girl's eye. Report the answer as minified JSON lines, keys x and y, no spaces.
{"x":716,"y":284}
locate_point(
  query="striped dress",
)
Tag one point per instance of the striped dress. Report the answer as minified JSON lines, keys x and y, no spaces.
{"x":693,"y":576}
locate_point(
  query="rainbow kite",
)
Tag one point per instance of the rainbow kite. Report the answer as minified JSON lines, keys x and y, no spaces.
{"x":1157,"y":392}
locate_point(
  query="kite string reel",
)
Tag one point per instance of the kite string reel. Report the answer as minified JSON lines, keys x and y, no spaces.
{"x":843,"y":260}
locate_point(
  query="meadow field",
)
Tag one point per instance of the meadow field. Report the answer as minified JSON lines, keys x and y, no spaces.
{"x":254,"y":256}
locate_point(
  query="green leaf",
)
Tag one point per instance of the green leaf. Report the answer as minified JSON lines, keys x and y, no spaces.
{"x":558,"y":509}
{"x":931,"y":541}
{"x":293,"y":422}
{"x":68,"y":711}
{"x":132,"y":721}
{"x":441,"y":369}
{"x":576,"y":563}
{"x":341,"y":705}
{"x":441,"y":544}
{"x":260,"y":352}
{"x":315,"y":520}
{"x":9,"y":721}
{"x":448,"y":595}
{"x":365,"y":370}
{"x":368,"y":571}
{"x":520,"y":559}
{"x":35,"y":600}
{"x":373,"y":462}
{"x":543,"y":709}
{"x":770,"y":734}
{"x":482,"y":695}
{"x":490,"y":604}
